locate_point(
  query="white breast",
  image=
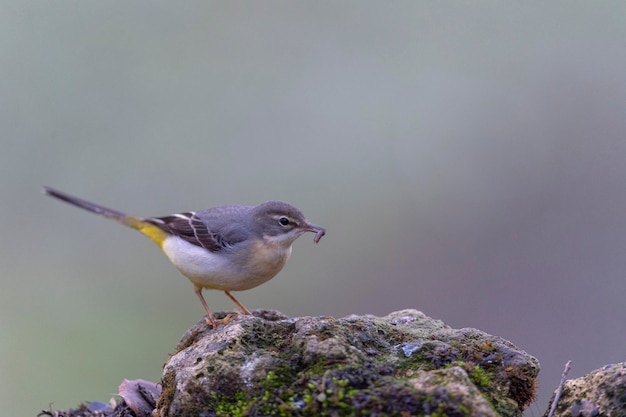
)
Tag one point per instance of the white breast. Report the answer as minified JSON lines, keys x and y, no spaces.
{"x":219,"y":271}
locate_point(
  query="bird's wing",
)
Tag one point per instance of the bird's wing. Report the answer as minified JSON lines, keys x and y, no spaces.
{"x":188,"y":227}
{"x":213,"y":229}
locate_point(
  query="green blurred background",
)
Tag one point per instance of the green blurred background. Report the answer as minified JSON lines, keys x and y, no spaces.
{"x":467,"y":158}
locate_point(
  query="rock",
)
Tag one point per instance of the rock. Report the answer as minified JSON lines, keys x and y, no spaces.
{"x":403,"y":364}
{"x":599,"y":393}
{"x":140,"y":396}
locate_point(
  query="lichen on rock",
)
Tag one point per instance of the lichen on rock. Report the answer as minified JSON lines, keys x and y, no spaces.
{"x":402,"y":364}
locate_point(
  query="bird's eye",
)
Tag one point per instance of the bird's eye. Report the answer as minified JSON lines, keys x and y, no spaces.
{"x":284,"y":221}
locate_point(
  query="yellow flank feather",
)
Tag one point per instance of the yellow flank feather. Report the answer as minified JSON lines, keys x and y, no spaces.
{"x":157,"y":235}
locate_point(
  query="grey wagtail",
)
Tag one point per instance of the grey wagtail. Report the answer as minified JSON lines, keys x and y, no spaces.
{"x":227,"y":248}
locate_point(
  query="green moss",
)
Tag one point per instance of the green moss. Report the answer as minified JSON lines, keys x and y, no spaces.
{"x":316,"y":391}
{"x":236,"y":406}
{"x":310,"y":392}
{"x":480,"y":377}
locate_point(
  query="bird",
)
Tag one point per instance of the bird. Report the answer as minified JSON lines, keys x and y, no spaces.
{"x":227,"y":248}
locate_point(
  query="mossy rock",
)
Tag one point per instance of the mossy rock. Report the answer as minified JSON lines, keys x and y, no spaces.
{"x":403,"y":364}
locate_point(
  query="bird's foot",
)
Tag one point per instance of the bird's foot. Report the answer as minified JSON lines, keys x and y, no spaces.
{"x":213,"y":322}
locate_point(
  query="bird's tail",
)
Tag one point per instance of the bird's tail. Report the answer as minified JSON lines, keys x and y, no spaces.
{"x":148,"y":229}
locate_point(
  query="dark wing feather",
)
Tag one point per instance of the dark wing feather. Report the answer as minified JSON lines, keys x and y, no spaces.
{"x":189,"y":227}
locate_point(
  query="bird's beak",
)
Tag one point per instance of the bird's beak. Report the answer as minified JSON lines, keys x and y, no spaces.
{"x":319,"y":231}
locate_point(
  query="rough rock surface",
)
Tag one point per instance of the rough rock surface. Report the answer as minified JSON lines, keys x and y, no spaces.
{"x":599,"y":393}
{"x":403,"y":364}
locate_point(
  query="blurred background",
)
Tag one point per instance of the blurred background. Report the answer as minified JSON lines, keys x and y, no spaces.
{"x":468,"y":160}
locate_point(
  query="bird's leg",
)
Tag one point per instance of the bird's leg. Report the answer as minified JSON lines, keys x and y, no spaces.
{"x":245,"y":310}
{"x":210,"y":319}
